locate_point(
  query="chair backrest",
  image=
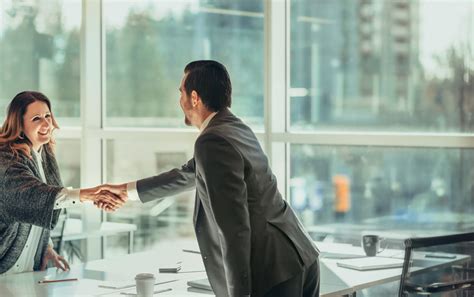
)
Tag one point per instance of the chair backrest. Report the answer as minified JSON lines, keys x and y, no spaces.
{"x":438,"y":266}
{"x":57,"y":237}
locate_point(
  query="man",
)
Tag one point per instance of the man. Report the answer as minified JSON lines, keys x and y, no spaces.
{"x":251,"y":242}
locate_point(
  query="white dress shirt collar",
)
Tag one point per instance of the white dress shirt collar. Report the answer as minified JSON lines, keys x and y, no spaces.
{"x":206,"y":121}
{"x":38,"y":154}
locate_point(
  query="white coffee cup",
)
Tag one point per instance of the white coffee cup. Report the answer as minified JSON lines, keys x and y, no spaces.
{"x":145,"y":284}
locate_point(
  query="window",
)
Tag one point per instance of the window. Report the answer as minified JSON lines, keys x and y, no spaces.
{"x":67,"y":152}
{"x":381,"y":65}
{"x":157,"y":220}
{"x":149,"y":43}
{"x":147,"y":46}
{"x":380,"y":96}
{"x":405,"y":189}
{"x":369,"y":102}
{"x":39,"y":50}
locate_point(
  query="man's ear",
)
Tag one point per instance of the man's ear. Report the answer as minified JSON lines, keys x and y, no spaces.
{"x":194,"y":98}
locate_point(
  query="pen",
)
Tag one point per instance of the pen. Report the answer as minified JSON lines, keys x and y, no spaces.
{"x":191,"y":251}
{"x":192,"y":271}
{"x":169,"y":269}
{"x":46,"y":281}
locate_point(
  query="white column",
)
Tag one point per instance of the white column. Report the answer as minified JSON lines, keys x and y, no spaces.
{"x":276,"y":85}
{"x":91,"y":116}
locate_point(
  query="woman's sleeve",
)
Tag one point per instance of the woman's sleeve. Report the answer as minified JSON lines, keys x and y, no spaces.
{"x":26,"y":198}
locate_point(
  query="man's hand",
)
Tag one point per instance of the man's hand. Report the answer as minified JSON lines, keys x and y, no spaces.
{"x":58,"y":261}
{"x":105,"y":196}
{"x":118,"y":190}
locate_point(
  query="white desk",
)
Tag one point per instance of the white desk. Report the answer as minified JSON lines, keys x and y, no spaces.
{"x":358,"y":280}
{"x":121,"y":270}
{"x":335,"y":281}
{"x":73,"y":230}
{"x":354,"y":280}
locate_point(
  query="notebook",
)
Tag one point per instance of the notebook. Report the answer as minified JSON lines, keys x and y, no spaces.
{"x":200,"y":284}
{"x":329,"y":255}
{"x":174,"y":268}
{"x":370,"y":263}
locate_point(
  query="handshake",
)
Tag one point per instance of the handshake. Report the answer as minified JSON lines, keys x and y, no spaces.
{"x":106,"y":197}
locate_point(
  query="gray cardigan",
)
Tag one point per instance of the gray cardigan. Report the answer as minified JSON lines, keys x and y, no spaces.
{"x":24,"y":201}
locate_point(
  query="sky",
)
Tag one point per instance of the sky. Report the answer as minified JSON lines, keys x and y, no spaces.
{"x":442,"y":23}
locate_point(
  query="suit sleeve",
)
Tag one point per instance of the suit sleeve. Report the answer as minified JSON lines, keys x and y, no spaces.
{"x":222,"y":168}
{"x":27,"y":199}
{"x":168,"y":183}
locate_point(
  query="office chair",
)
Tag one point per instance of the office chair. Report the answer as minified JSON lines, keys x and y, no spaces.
{"x":57,"y":237}
{"x":69,"y":249}
{"x":438,"y":266}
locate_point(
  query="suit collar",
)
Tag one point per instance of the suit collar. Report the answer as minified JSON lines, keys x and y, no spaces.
{"x":218,"y":118}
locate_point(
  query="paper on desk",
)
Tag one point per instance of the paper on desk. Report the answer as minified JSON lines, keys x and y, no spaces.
{"x":370,"y":263}
{"x":121,"y":285}
{"x":116,"y":285}
{"x":154,"y":292}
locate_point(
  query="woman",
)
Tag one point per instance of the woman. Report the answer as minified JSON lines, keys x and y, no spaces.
{"x":32,"y":194}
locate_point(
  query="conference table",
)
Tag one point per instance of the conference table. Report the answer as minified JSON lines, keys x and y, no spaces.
{"x":114,"y":273}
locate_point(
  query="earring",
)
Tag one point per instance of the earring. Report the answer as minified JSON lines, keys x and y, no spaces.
{"x":21,"y":136}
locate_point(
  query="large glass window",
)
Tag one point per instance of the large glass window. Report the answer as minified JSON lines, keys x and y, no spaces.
{"x":68,"y":152}
{"x":157,"y":220}
{"x":382,"y":65}
{"x":341,"y":190}
{"x":148,"y":43}
{"x":39,"y":50}
{"x":364,"y":67}
{"x":68,"y":156}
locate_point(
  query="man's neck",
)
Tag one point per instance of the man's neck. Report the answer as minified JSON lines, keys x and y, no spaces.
{"x":203,"y":117}
{"x":206,"y":122}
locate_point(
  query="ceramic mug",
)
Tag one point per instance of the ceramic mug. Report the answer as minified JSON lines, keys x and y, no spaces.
{"x":371,"y":244}
{"x":145,"y":284}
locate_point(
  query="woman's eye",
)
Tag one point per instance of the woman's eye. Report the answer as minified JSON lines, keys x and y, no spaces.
{"x":35,"y":119}
{"x":48,"y":116}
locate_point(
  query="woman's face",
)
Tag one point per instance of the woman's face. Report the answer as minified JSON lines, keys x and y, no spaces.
{"x":37,"y":124}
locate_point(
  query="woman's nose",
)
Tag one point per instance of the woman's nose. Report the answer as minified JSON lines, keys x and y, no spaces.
{"x":45,"y":123}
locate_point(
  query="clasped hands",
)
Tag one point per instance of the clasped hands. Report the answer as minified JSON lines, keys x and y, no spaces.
{"x":106,"y":197}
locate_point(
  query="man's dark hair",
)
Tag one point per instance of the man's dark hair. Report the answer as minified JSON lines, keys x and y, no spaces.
{"x":211,"y":81}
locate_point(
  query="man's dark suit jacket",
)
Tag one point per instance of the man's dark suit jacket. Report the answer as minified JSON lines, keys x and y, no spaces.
{"x":249,"y":237}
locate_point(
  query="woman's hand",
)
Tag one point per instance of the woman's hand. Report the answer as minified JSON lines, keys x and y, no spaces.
{"x":58,"y":261}
{"x":107,"y":200}
{"x":117,"y":192}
